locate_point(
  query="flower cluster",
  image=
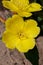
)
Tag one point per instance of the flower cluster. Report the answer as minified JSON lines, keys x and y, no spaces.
{"x":20,"y":34}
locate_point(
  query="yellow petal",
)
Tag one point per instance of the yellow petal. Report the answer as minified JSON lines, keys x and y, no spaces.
{"x":31,"y":29}
{"x":34,"y":7}
{"x":10,"y":5}
{"x":20,"y":3}
{"x":14,"y":24}
{"x":31,"y":22}
{"x":9,"y":40}
{"x":25,"y":14}
{"x":25,"y":45}
{"x":34,"y":32}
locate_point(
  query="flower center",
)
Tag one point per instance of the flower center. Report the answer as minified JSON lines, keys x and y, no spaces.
{"x":21,"y":35}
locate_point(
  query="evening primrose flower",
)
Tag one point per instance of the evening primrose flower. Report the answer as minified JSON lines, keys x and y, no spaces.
{"x":20,"y":34}
{"x":22,"y":7}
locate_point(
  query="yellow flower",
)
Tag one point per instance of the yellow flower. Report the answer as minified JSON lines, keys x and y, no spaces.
{"x":22,"y":7}
{"x":20,"y":34}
